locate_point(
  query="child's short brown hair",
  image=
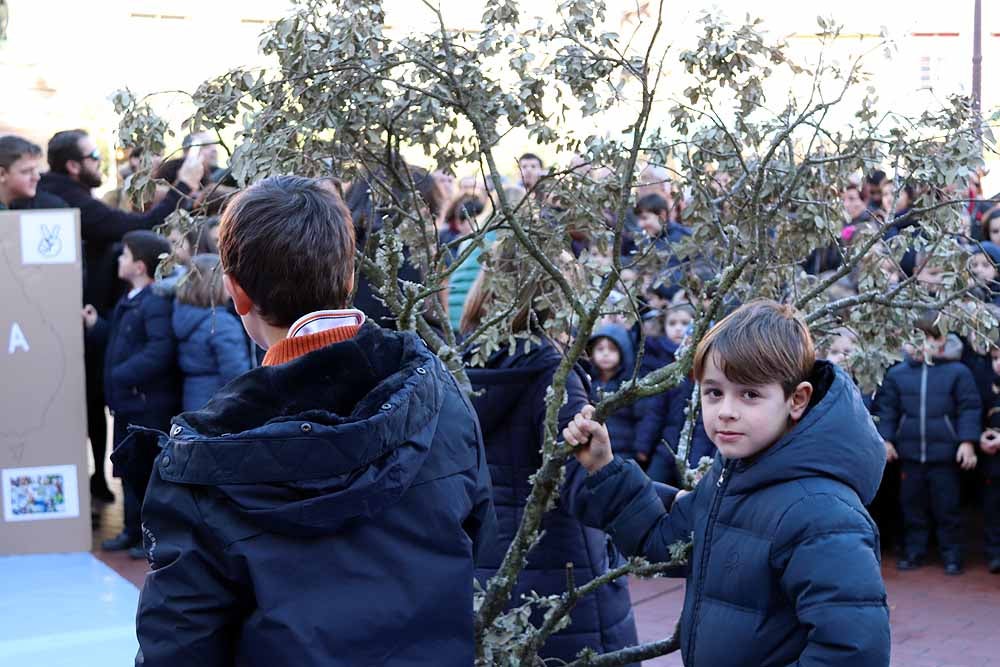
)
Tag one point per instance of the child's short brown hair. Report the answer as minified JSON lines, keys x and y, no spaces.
{"x":289,"y":243}
{"x":760,"y":343}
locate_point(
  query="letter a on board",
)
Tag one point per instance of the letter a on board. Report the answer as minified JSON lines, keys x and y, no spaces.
{"x":17,"y":339}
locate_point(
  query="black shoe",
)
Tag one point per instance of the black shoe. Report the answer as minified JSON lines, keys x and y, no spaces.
{"x":994,"y":566}
{"x":953,"y":568}
{"x":910,"y":562}
{"x":121,"y":542}
{"x":137,"y":553}
{"x":99,"y":490}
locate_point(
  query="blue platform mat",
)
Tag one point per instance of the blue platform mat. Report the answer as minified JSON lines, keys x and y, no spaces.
{"x":65,"y":610}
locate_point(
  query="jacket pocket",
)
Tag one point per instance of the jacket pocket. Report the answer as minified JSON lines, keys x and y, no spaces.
{"x":951,"y":427}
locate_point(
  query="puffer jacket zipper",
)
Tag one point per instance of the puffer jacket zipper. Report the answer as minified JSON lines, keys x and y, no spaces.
{"x":720,"y":491}
{"x":923,"y":413}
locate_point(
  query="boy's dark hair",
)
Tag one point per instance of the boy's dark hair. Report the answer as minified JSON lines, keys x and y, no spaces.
{"x":759,"y":343}
{"x":531,"y":156}
{"x":875,"y":177}
{"x":466,"y":207}
{"x":63,"y":147}
{"x":147,"y":247}
{"x":654,"y":204}
{"x":289,"y":243}
{"x":928,"y":323}
{"x":682,"y":308}
{"x":13,"y":148}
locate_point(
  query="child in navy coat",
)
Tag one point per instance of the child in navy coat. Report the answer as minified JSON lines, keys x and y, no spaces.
{"x":210,"y":346}
{"x":930,"y":416}
{"x":613,"y":360}
{"x":139,"y":372}
{"x":785,"y":565}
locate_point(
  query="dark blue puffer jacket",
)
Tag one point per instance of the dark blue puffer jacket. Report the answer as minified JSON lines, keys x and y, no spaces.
{"x":325,"y":511}
{"x":651,"y":412}
{"x":140,"y":374}
{"x":511,"y":408}
{"x":211,"y":351}
{"x":785,"y":568}
{"x":623,"y":422}
{"x":926,"y":410}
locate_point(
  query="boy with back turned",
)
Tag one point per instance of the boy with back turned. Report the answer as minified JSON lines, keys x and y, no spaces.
{"x":325,"y":508}
{"x":785,"y":566}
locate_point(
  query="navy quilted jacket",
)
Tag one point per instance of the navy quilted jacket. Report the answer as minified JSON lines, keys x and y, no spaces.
{"x":511,"y":410}
{"x":926,"y":410}
{"x":785,"y":568}
{"x":326,"y":511}
{"x":140,"y":375}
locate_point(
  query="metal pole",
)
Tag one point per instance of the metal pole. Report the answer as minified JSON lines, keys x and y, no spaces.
{"x":977,"y":71}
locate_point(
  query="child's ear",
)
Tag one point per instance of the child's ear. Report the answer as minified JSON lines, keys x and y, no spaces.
{"x":799,"y":400}
{"x":240,"y":298}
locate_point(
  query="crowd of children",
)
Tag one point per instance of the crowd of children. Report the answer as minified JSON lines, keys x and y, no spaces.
{"x":169,"y":345}
{"x":174,"y":340}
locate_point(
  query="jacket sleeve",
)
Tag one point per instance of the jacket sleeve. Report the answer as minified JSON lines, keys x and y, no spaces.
{"x":577,"y":391}
{"x":970,"y":407}
{"x":481,"y":523}
{"x":107,"y":224}
{"x":189,"y":609}
{"x":827,"y":555}
{"x":887,"y":408}
{"x":623,"y":502}
{"x":156,"y":356}
{"x":228,"y":346}
{"x":97,"y":335}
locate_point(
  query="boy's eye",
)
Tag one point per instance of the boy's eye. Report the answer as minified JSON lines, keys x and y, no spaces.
{"x":750,"y":394}
{"x":712,"y":393}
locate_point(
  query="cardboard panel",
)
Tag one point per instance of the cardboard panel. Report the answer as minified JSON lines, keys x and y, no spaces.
{"x":44,"y":489}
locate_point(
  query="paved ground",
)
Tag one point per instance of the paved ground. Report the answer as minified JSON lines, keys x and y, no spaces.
{"x":937,"y":621}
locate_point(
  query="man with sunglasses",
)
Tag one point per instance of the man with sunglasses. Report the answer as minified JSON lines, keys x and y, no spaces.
{"x":74,"y":170}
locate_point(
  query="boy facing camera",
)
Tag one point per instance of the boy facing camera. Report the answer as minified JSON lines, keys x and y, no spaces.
{"x":326,"y":507}
{"x":785,"y":562}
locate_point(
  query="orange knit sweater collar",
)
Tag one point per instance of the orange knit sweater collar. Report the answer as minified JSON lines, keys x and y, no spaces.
{"x":314,"y":331}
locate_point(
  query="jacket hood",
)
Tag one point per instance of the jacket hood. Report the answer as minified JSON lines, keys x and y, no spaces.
{"x":502,"y":383}
{"x":301,"y":448}
{"x":187,"y":318}
{"x":166,"y":286}
{"x":620,"y":337}
{"x":836,"y":438}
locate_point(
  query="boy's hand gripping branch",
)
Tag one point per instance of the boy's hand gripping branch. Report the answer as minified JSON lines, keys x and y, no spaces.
{"x":590,"y":440}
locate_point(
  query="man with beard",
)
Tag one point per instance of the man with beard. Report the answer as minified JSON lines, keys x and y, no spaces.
{"x":74,"y":169}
